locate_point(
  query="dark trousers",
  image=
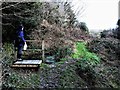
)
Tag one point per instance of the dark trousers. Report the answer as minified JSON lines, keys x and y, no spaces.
{"x":19,"y":51}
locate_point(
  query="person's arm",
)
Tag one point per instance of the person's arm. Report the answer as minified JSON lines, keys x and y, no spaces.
{"x":22,"y":36}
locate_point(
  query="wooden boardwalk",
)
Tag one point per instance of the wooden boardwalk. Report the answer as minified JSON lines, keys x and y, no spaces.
{"x":27,"y":63}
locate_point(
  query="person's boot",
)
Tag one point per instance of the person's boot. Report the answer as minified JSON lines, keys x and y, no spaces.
{"x":19,"y":57}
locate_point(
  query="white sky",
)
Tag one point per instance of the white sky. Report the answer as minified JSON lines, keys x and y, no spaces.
{"x":98,"y":14}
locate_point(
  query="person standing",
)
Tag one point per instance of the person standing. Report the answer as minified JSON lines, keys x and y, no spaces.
{"x":19,"y":41}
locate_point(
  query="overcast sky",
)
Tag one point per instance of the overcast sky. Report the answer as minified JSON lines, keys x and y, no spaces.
{"x":98,"y":14}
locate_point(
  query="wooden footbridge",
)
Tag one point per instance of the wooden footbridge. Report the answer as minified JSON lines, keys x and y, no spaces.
{"x":29,"y":63}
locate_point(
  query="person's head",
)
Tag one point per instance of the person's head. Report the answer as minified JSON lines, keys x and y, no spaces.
{"x":21,"y":27}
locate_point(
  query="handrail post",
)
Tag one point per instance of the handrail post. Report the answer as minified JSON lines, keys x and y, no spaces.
{"x":43,"y":52}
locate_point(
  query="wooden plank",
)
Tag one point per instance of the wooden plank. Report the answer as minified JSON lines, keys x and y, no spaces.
{"x":29,"y":62}
{"x":33,"y":41}
{"x":32,"y":66}
{"x":33,"y":50}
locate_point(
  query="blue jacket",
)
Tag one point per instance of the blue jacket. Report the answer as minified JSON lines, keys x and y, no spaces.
{"x":20,"y":35}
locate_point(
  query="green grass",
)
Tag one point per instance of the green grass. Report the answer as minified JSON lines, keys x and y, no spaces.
{"x":86,"y":56}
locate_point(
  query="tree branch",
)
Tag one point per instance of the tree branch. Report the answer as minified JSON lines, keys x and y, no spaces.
{"x":10,"y":6}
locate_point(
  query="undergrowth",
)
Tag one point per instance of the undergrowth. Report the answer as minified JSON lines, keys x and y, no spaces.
{"x":86,"y":63}
{"x":16,"y":80}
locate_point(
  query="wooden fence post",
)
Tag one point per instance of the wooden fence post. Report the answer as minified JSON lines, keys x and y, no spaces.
{"x":43,"y":51}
